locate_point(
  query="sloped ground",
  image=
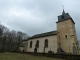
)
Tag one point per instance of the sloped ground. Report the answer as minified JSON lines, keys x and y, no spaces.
{"x":18,"y":56}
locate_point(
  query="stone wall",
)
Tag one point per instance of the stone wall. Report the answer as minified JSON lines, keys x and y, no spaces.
{"x":67,"y":35}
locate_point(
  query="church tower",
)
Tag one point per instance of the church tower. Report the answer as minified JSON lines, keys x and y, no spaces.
{"x":67,"y":33}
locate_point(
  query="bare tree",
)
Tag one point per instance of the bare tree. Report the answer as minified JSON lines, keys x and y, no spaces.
{"x":10,"y":40}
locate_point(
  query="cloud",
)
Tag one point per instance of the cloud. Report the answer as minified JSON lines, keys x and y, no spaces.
{"x":37,"y":16}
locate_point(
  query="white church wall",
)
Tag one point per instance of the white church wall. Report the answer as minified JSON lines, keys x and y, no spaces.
{"x":52,"y":44}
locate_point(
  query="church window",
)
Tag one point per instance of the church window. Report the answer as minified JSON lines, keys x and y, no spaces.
{"x":46,"y":43}
{"x":31,"y":44}
{"x":37,"y":43}
{"x":59,"y":37}
{"x":65,"y":36}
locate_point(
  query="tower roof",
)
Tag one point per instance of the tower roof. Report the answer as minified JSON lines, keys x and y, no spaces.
{"x":63,"y":13}
{"x":64,"y":16}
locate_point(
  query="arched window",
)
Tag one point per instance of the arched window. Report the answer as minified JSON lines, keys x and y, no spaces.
{"x":46,"y":43}
{"x":37,"y":43}
{"x":31,"y":44}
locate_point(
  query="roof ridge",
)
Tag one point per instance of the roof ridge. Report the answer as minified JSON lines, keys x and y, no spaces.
{"x":45,"y":32}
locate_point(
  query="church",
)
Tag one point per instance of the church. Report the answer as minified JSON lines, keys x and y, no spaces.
{"x":64,"y":39}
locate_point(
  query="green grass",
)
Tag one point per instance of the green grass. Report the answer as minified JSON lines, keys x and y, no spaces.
{"x":18,"y":56}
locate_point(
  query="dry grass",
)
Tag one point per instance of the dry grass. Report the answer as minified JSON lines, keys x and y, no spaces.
{"x":18,"y":56}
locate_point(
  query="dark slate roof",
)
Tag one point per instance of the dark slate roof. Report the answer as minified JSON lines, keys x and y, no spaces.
{"x":63,"y":13}
{"x":21,"y":45}
{"x":25,"y":40}
{"x":43,"y":34}
{"x":66,"y":19}
{"x":65,"y":16}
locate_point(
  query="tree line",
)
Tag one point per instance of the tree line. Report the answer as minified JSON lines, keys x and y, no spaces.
{"x":10,"y":40}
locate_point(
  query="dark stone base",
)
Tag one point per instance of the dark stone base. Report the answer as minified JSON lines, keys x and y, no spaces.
{"x":50,"y":52}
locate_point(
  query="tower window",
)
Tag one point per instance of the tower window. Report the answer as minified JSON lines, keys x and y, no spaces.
{"x":59,"y":37}
{"x":65,"y":36}
{"x":62,"y":17}
{"x":73,"y":43}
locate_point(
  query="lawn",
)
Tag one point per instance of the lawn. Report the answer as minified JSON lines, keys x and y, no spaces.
{"x":18,"y":56}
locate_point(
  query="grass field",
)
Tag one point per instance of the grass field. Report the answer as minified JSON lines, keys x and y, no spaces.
{"x":18,"y":56}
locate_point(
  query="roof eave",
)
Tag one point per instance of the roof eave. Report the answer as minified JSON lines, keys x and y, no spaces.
{"x":66,"y":19}
{"x":41,"y":36}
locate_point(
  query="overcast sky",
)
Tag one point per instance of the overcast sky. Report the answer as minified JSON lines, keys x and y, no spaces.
{"x":37,"y":16}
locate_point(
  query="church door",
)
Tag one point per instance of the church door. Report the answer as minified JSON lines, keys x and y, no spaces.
{"x":35,"y":50}
{"x":74,"y":50}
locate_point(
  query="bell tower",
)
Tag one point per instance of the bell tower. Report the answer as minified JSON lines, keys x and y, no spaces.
{"x":67,"y":33}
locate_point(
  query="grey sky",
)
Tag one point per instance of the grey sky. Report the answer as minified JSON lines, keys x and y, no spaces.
{"x":37,"y":16}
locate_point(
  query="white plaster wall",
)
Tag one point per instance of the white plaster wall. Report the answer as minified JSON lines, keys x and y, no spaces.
{"x":52,"y":41}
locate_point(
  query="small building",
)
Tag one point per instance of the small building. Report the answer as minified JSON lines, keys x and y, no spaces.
{"x":21,"y":47}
